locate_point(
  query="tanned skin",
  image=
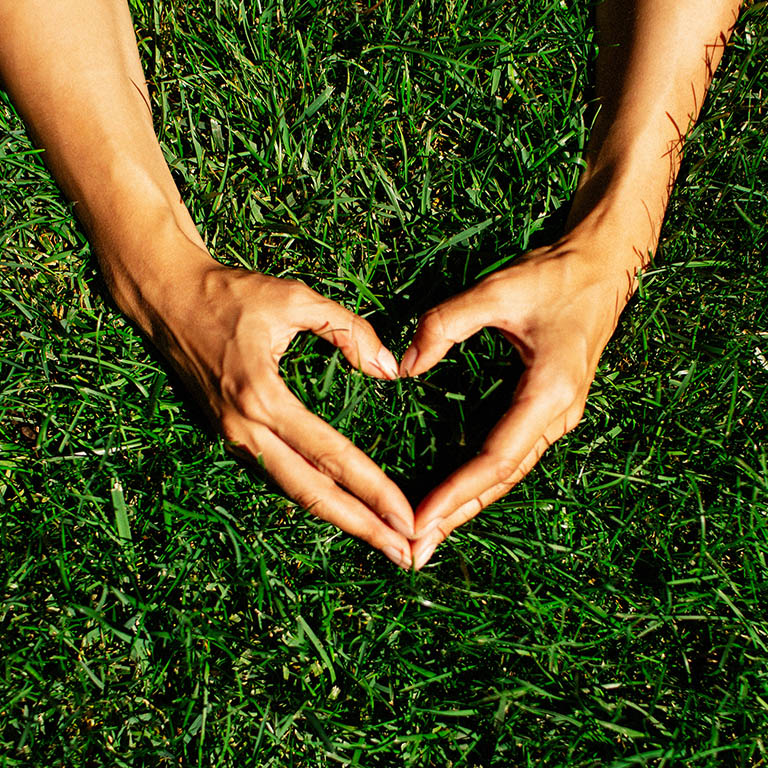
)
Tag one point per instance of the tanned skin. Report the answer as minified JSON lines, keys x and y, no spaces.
{"x":72,"y":69}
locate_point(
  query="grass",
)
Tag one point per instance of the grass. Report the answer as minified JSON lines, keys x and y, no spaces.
{"x":163,"y":605}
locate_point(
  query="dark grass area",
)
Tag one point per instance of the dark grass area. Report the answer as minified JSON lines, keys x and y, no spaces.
{"x":163,"y":605}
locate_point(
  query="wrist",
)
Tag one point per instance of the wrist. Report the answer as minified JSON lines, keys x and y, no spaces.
{"x":631,"y":167}
{"x":622,"y":202}
{"x":148,"y":256}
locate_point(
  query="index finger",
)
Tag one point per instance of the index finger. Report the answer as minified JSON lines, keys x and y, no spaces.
{"x":319,"y":494}
{"x":423,"y":548}
{"x":541,"y":411}
{"x":340,"y":460}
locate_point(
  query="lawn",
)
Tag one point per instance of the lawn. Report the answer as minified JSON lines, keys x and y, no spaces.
{"x":162,"y":604}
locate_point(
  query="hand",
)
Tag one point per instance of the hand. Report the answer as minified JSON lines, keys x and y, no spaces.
{"x":558,"y":306}
{"x":226,"y":334}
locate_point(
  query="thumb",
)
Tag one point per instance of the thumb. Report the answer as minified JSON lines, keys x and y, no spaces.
{"x":443,"y":326}
{"x":353,"y":335}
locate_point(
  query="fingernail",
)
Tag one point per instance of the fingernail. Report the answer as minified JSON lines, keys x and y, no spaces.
{"x":400,"y":524}
{"x":409,"y":360}
{"x":385,"y":361}
{"x":422,"y":559}
{"x":397,"y":557}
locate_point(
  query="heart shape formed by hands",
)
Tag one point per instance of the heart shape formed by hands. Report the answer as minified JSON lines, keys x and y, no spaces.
{"x":226,"y":335}
{"x":551,"y":306}
{"x":419,"y":430}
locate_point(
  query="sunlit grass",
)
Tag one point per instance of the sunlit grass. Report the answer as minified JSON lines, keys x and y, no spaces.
{"x":162,"y":604}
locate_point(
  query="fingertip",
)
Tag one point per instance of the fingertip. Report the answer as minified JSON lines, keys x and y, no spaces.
{"x":421,"y":356}
{"x":386,"y":363}
{"x":401,"y":524}
{"x":422,"y":551}
{"x":393,"y":507}
{"x":398,"y":556}
{"x":357,"y":340}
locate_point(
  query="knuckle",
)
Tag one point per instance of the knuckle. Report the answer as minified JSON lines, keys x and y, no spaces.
{"x":335,"y":462}
{"x":230,"y":428}
{"x":444,"y":529}
{"x":504,"y":467}
{"x":530,"y":461}
{"x":469,"y":510}
{"x":296,"y":292}
{"x":231,"y":388}
{"x":562,"y":389}
{"x":240,"y":441}
{"x":432,"y":323}
{"x":526,"y":465}
{"x":359,"y":327}
{"x":494,"y":288}
{"x":312,"y":503}
{"x":343,"y":331}
{"x":248,"y":401}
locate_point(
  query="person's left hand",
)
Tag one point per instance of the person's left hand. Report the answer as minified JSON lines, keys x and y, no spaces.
{"x":558,"y":306}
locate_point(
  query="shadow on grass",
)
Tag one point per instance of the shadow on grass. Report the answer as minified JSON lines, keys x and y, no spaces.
{"x":460,"y":402}
{"x":447,"y":413}
{"x":467,"y":393}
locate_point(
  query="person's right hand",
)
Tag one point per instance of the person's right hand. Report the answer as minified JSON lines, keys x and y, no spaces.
{"x":225,"y":331}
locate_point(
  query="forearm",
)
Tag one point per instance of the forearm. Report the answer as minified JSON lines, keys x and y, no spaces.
{"x":656,"y":61}
{"x":72,"y":69}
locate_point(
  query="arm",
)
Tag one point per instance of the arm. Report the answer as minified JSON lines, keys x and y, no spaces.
{"x":560,"y":305}
{"x":72,"y":69}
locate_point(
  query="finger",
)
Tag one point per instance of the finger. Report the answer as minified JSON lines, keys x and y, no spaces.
{"x":353,"y":335}
{"x":272,"y":404}
{"x":337,"y":458}
{"x":433,"y":535}
{"x":543,"y":408}
{"x":318,"y":493}
{"x":445,"y":325}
